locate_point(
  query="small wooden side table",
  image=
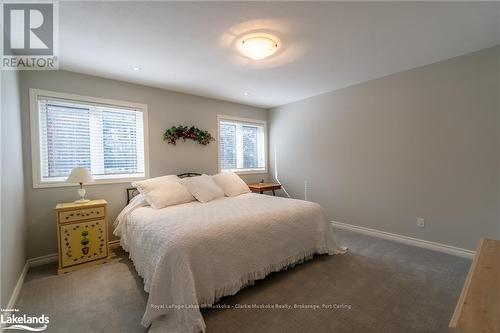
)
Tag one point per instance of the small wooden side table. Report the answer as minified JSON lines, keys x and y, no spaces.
{"x":262,"y":187}
{"x":82,"y":234}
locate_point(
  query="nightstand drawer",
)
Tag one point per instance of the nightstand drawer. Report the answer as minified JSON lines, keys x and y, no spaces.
{"x":81,"y":214}
{"x":82,"y":242}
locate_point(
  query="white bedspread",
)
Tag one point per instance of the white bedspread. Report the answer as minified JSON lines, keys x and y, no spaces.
{"x":194,"y":253}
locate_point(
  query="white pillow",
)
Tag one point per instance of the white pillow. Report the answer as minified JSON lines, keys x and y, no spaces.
{"x":231,"y":184}
{"x":163,"y":191}
{"x":203,"y":188}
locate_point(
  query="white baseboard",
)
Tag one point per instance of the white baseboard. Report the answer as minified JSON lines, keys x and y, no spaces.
{"x":456,"y":251}
{"x":15,"y":293}
{"x":17,"y":288}
{"x":114,"y":244}
{"x":39,"y":261}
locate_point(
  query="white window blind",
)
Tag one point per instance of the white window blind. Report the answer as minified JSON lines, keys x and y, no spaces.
{"x":106,"y":139}
{"x":241,"y":145}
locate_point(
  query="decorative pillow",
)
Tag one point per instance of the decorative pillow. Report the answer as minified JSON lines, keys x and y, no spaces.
{"x":163,"y":191}
{"x":231,"y":184}
{"x":203,"y":188}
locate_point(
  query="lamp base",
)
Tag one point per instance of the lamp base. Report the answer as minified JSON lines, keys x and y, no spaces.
{"x":81,"y":201}
{"x":81,"y":193}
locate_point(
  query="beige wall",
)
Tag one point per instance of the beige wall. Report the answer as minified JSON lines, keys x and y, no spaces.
{"x":421,"y":143}
{"x":165,"y":108}
{"x":13,"y":218}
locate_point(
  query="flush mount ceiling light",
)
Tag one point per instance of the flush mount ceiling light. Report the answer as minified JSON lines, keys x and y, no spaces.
{"x":257,"y":47}
{"x":136,"y":69}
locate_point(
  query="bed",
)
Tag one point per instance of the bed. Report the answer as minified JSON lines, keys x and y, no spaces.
{"x":190,"y":255}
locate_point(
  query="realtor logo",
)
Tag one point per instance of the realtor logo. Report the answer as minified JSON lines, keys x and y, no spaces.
{"x":29,"y":36}
{"x":11,"y":320}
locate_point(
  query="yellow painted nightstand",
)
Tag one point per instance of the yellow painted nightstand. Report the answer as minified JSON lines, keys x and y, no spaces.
{"x":82,"y":234}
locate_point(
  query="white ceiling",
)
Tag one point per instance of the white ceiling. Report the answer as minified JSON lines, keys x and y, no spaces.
{"x":188,"y":47}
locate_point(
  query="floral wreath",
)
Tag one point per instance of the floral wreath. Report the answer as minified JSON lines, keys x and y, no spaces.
{"x":177,"y":132}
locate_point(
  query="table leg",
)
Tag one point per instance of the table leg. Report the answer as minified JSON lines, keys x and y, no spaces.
{"x":274,"y":193}
{"x":261,"y":192}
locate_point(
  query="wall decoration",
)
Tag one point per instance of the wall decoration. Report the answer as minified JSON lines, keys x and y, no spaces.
{"x":183,"y":132}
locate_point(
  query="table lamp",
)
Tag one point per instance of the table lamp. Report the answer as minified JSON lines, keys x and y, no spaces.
{"x":80,"y":175}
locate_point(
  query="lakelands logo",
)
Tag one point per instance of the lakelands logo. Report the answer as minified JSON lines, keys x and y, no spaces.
{"x":24,"y":322}
{"x":30,"y":39}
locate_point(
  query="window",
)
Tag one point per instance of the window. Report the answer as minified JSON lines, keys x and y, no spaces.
{"x":107,"y":137}
{"x":242,"y":145}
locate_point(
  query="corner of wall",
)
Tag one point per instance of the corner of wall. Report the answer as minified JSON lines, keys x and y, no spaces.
{"x":13,"y":209}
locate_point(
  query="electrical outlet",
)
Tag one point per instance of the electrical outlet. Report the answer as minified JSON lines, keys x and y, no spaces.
{"x":421,"y":222}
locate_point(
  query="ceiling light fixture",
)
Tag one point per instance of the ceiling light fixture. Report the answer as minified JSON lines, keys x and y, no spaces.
{"x":137,"y":69}
{"x":257,"y":47}
{"x":246,"y":93}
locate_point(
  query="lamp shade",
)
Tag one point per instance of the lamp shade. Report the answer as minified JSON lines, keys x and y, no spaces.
{"x":80,"y":176}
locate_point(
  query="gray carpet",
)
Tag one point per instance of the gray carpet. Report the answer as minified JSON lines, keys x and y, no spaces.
{"x":380,"y":286}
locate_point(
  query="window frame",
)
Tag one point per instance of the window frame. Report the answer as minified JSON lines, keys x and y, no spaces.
{"x":35,"y":135}
{"x":250,"y":121}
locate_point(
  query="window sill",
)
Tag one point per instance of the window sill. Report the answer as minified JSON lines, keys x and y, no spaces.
{"x":97,"y":182}
{"x":245,"y":172}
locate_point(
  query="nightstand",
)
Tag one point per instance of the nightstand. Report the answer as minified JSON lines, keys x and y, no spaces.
{"x":262,"y":187}
{"x":82,"y":234}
